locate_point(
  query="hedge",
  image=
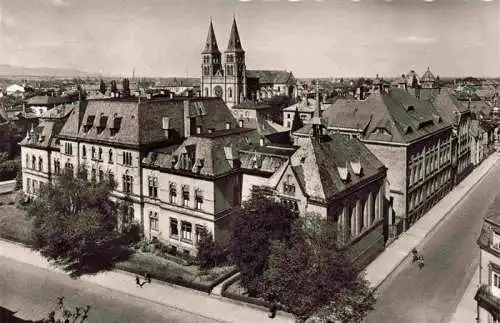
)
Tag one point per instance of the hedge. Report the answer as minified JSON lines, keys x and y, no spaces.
{"x":241,"y":298}
{"x":9,"y":169}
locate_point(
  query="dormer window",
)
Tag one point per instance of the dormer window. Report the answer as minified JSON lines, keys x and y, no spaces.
{"x":343,"y":173}
{"x":198,"y":129}
{"x":89,"y":123}
{"x":115,"y":127}
{"x":357,"y":168}
{"x":103,"y":121}
{"x":289,"y":186}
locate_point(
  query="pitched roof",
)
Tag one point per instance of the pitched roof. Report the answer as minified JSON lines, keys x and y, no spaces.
{"x":141,"y":123}
{"x":234,"y":44}
{"x":316,"y":165}
{"x":44,"y":134}
{"x":428,"y":76}
{"x":208,"y":155}
{"x":178,"y":82}
{"x":267,"y":159}
{"x":396,"y":116}
{"x":449,"y":107}
{"x":271,"y":76}
{"x":45,"y":100}
{"x":211,"y":42}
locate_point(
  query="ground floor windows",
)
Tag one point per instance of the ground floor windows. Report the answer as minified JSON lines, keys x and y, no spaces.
{"x":186,"y":228}
{"x":153,"y":221}
{"x":174,"y":230}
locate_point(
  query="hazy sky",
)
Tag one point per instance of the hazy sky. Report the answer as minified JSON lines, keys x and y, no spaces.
{"x":309,"y":37}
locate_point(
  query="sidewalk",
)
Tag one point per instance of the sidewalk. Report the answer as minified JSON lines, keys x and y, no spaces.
{"x":396,"y":253}
{"x":161,"y":293}
{"x":466,"y":310}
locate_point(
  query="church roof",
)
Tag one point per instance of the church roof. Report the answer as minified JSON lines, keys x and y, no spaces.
{"x":271,"y":76}
{"x":211,"y":43}
{"x":234,"y":44}
{"x":428,"y":76}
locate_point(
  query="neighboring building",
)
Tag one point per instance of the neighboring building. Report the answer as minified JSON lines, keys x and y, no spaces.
{"x":111,"y":137}
{"x":178,"y":85}
{"x":42,"y":103}
{"x":428,"y":80}
{"x":331,"y":176}
{"x":305,"y":108}
{"x":459,"y":115}
{"x":15,"y":90}
{"x":194,"y":186}
{"x":488,"y":293}
{"x":40,"y":151}
{"x":230,"y":80}
{"x":478,"y":143}
{"x":408,"y":136}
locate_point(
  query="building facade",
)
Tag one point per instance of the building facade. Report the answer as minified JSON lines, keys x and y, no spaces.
{"x":408,"y":136}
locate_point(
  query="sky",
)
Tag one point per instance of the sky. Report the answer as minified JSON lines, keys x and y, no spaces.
{"x":312,"y":38}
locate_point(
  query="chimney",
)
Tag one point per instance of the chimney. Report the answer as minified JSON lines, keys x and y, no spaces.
{"x":171,"y":95}
{"x":187,"y":119}
{"x":228,"y":125}
{"x":240,"y":123}
{"x":261,"y":142}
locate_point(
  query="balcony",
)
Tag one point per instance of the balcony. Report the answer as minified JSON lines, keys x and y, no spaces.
{"x":487,"y":301}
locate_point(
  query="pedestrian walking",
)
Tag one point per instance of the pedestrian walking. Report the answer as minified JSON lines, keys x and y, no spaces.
{"x":138,"y":281}
{"x":415,"y":255}
{"x":420,"y":262}
{"x":147,"y":277}
{"x":272,"y":310}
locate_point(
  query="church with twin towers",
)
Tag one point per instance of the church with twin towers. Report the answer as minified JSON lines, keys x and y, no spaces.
{"x":228,"y":77}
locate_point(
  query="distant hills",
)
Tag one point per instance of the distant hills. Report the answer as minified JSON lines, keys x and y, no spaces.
{"x":10,"y":70}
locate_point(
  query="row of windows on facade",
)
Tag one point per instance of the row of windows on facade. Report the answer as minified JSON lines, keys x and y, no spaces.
{"x":229,"y":70}
{"x":215,"y":59}
{"x":361,"y":216}
{"x":229,"y":92}
{"x":186,"y":228}
{"x":97,"y":154}
{"x":34,"y":165}
{"x":153,"y":192}
{"x":432,"y":163}
{"x":442,"y":146}
{"x":33,"y":186}
{"x":420,"y":194}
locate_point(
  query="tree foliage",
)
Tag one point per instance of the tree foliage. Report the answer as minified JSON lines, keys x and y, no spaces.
{"x":260,"y":221}
{"x":311,"y":265}
{"x":64,"y":314}
{"x":126,"y":87}
{"x":210,"y":253}
{"x":75,"y":224}
{"x":102,"y":87}
{"x":114,"y":87}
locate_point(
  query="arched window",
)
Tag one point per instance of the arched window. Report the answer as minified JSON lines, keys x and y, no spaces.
{"x":206,"y":91}
{"x":111,"y":156}
{"x":93,"y":152}
{"x":40,"y":164}
{"x":33,"y":162}
{"x":84,"y":152}
{"x":230,"y":92}
{"x":27,"y":161}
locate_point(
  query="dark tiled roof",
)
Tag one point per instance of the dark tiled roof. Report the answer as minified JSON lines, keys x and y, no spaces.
{"x":428,"y":76}
{"x":58,"y":112}
{"x":316,"y":164}
{"x":449,"y":107}
{"x":267,"y":159}
{"x":213,"y":154}
{"x":211,"y":42}
{"x":142,"y":123}
{"x":262,"y":125}
{"x":234,"y":44}
{"x":44,"y":134}
{"x":45,"y":100}
{"x":397,"y":116}
{"x":271,"y":77}
{"x":178,"y":82}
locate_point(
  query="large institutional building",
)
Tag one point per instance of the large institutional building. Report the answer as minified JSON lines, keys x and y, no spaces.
{"x":230,"y":80}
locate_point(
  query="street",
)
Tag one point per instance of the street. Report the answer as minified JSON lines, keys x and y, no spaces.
{"x":33,"y":292}
{"x":451,"y":257}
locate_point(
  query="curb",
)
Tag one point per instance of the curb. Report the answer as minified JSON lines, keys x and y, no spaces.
{"x":438,"y":223}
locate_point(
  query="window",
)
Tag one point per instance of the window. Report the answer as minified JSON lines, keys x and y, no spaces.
{"x":127,"y":183}
{"x":68,"y":148}
{"x":28,"y":185}
{"x":101,"y":175}
{"x":93,"y":152}
{"x":127,"y":158}
{"x":35,"y":186}
{"x":198,"y":231}
{"x":496,"y":279}
{"x":174,"y":229}
{"x":93,"y":174}
{"x":111,"y":156}
{"x":40,"y":164}
{"x":289,"y":186}
{"x":152,"y":186}
{"x":27,"y":161}
{"x":186,"y":229}
{"x":230,"y":93}
{"x":185,"y":195}
{"x":172,"y":193}
{"x":198,"y":199}
{"x":68,"y":167}
{"x":128,"y":213}
{"x":153,"y":221}
{"x":100,"y":153}
{"x":111,"y":177}
{"x":57,"y":167}
{"x":33,"y":162}
{"x":84,"y":152}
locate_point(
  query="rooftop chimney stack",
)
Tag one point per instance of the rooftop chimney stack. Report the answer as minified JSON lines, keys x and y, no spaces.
{"x":187,"y":119}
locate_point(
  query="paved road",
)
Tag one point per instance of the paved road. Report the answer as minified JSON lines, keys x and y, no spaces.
{"x":451,"y":256}
{"x":33,"y":291}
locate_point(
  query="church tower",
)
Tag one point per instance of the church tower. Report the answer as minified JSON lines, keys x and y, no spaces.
{"x":234,"y":68}
{"x":211,"y":67}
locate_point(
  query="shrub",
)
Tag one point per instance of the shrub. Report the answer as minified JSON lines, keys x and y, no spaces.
{"x":9,"y":169}
{"x":210,"y":253}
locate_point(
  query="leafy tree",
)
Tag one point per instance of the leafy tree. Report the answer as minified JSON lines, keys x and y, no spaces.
{"x":210,"y":253}
{"x":19,"y":180}
{"x":126,"y":87}
{"x":260,"y":221}
{"x":114,"y":87}
{"x":310,"y":264}
{"x":296,"y":122}
{"x":75,"y":224}
{"x":102,"y":87}
{"x":64,"y":314}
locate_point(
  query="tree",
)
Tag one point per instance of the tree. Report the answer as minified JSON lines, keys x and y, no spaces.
{"x":114,"y":87}
{"x":210,"y":253}
{"x":64,"y":314}
{"x":126,"y":87}
{"x":296,"y":122}
{"x":75,"y":224}
{"x":260,"y":221}
{"x":310,"y":264}
{"x":102,"y":87}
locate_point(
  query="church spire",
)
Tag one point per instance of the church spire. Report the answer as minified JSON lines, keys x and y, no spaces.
{"x":211,"y":43}
{"x":234,"y":44}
